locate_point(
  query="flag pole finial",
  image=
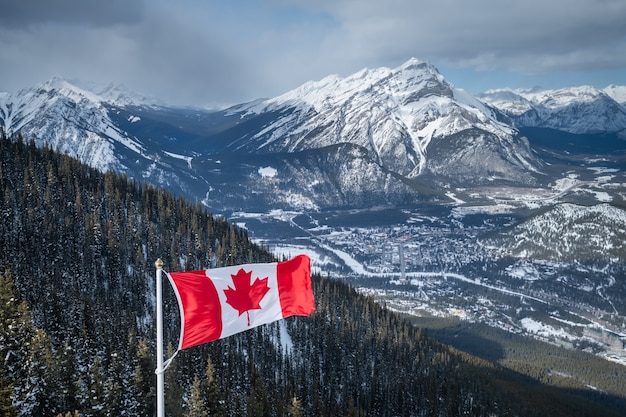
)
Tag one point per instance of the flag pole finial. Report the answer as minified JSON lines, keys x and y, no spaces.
{"x":158,"y":263}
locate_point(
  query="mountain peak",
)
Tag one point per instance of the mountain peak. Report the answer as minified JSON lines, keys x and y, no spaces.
{"x":120,"y":95}
{"x":97,"y":93}
{"x":68,"y":89}
{"x":411,"y":79}
{"x":417,"y":64}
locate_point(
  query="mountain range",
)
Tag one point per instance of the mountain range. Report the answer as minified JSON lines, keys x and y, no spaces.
{"x":578,"y":110}
{"x":380,"y":136}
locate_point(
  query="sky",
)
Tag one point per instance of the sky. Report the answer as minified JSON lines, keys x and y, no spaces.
{"x":214,"y":53}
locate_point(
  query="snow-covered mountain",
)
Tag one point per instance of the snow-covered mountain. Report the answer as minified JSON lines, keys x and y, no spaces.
{"x":90,"y":127}
{"x":68,"y":119}
{"x":578,"y":110}
{"x":569,"y":233}
{"x":410,"y":120}
{"x":119,"y":95}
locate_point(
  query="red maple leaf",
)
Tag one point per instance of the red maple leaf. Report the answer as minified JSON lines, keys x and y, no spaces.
{"x":245,"y":297}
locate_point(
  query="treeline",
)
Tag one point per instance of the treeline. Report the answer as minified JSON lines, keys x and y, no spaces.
{"x":77,"y":327}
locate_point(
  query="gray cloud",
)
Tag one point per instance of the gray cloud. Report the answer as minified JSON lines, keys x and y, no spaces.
{"x":191,"y":52}
{"x":20,"y":13}
{"x":490,"y":33}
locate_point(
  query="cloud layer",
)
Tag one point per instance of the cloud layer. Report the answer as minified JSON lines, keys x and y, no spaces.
{"x":211,"y":53}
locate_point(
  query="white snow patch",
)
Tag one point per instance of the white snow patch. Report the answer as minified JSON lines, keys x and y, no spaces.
{"x":603,"y":196}
{"x":460,"y":212}
{"x":603,"y":170}
{"x":134,"y":119}
{"x":541,"y":329}
{"x":114,"y":134}
{"x":567,"y":183}
{"x":268,"y":172}
{"x":177,"y":156}
{"x":452,"y":196}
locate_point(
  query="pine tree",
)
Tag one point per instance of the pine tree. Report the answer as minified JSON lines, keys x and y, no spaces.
{"x":214,"y":396}
{"x":16,"y":328}
{"x":144,"y":380}
{"x":16,"y":335}
{"x":196,"y":405}
{"x":38,"y":393}
{"x":173,"y":392}
{"x":65,"y":378}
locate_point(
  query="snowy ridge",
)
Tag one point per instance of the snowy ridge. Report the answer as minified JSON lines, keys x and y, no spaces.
{"x":383,"y":133}
{"x":68,"y":119}
{"x":120,"y":96}
{"x":579,"y":110}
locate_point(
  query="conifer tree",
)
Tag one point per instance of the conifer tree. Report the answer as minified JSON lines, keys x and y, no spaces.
{"x":214,"y":395}
{"x":16,"y":336}
{"x":65,"y":375}
{"x":173,"y":392}
{"x":144,"y":380}
{"x":39,"y":393}
{"x":196,"y":405}
{"x":295,"y":408}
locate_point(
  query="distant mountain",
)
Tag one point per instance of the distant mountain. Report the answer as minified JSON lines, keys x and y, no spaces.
{"x":578,"y":110}
{"x":68,"y":119}
{"x":91,"y":127}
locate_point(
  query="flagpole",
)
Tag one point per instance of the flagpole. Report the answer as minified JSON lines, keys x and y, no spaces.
{"x":159,"y":342}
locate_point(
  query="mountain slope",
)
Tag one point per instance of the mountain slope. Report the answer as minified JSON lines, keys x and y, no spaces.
{"x":105,"y":132}
{"x":67,"y":119}
{"x":570,"y":233}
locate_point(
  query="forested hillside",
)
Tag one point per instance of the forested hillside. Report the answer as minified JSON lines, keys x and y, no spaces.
{"x":77,"y":328}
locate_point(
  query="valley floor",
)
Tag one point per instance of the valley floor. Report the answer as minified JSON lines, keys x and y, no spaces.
{"x":430,"y":263}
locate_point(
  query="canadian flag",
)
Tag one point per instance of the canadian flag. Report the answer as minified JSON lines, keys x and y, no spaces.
{"x":217,"y":303}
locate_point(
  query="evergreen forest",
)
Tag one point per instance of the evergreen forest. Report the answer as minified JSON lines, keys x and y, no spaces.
{"x":77,"y":319}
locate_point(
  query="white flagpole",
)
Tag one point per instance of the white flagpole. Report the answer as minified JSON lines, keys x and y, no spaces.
{"x":159,"y":342}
